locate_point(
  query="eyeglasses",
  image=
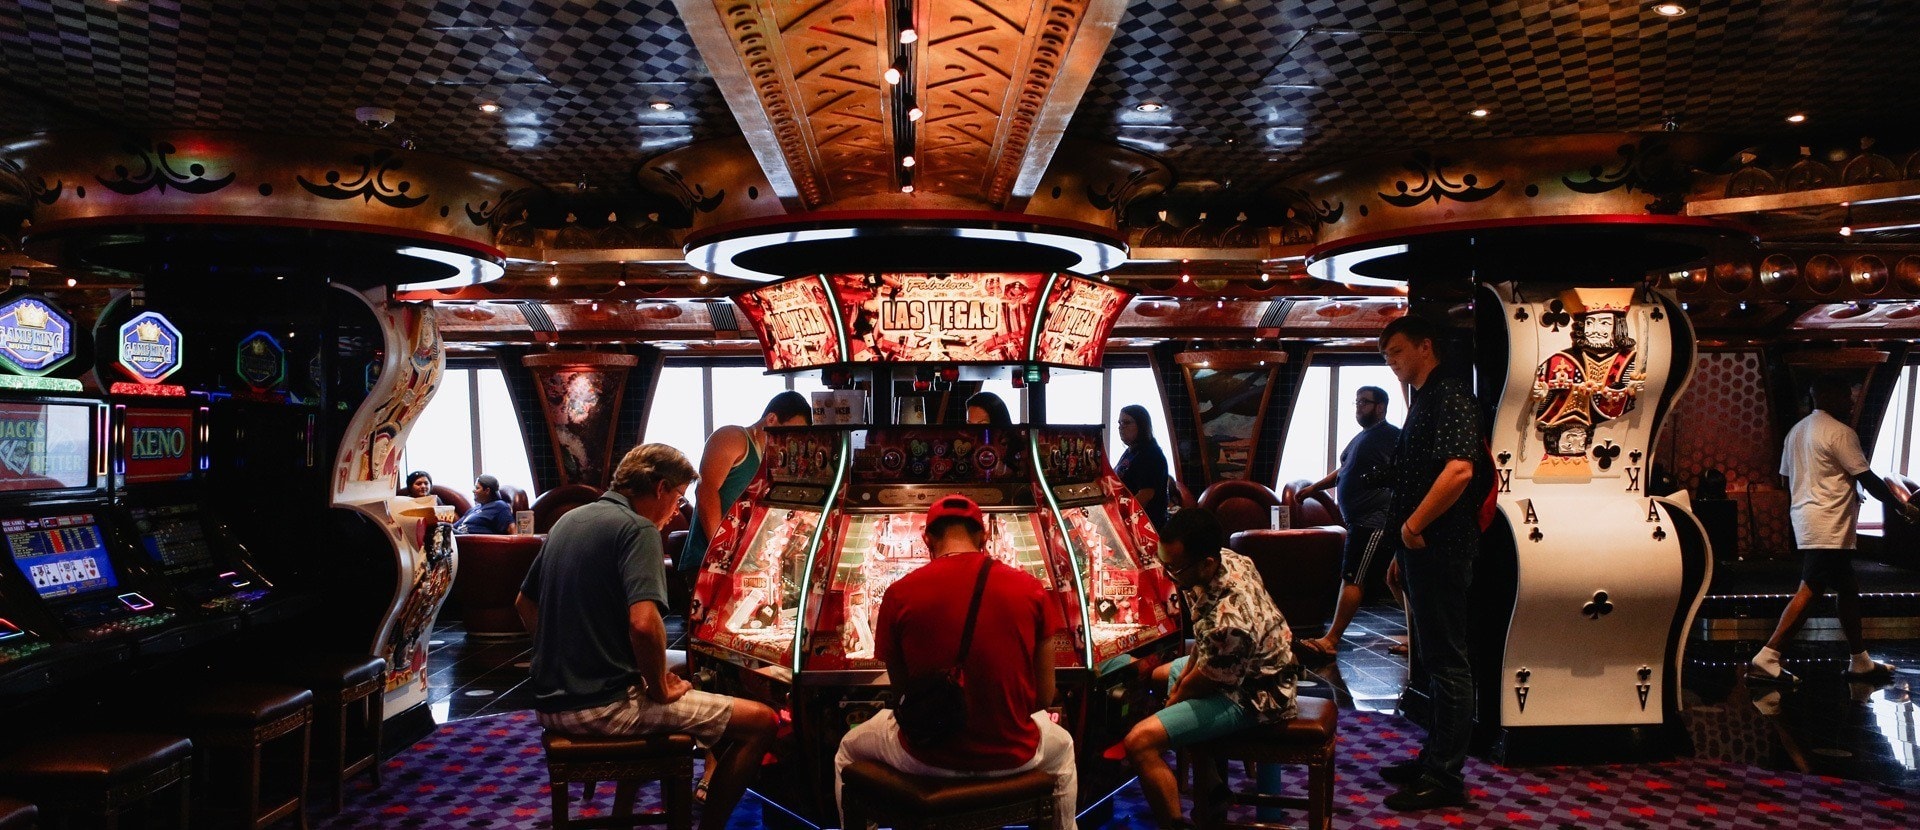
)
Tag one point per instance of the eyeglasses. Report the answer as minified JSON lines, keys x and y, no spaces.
{"x":1367,"y":402}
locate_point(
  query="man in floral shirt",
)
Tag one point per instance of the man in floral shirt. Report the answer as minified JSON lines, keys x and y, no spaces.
{"x":1241,"y":673}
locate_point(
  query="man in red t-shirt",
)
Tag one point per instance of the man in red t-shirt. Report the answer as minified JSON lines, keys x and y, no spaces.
{"x":1009,"y":665}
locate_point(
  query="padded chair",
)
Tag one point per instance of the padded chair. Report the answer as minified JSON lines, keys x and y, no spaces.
{"x":514,"y":496}
{"x":558,"y":502}
{"x":1300,"y":568}
{"x":629,"y":762}
{"x":251,"y":747}
{"x":448,"y":495}
{"x":1314,"y":511}
{"x":489,"y":576}
{"x":1182,"y":498}
{"x":1240,"y":504}
{"x":90,"y":780}
{"x":879,"y":793}
{"x":1308,"y":739}
{"x":347,"y":713}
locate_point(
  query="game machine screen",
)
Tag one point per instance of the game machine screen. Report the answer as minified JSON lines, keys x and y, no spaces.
{"x":64,"y":558}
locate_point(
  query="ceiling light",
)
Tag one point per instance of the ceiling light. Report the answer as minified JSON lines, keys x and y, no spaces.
{"x":914,"y":114}
{"x":906,"y":161}
{"x":1479,"y":113}
{"x":906,"y":188}
{"x":892,"y":75}
{"x":1669,"y":9}
{"x":908,"y":35}
{"x":661,"y":106}
{"x":1264,"y":276}
{"x":554,"y":281}
{"x":1150,"y":106}
{"x":71,"y":282}
{"x":703,"y":279}
{"x":489,"y":107}
{"x":1846,"y":230}
{"x":1796,"y":118}
{"x":623,"y":283}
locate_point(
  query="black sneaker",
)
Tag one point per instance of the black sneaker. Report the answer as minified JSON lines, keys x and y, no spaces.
{"x":1426,"y":794}
{"x":1880,"y":673}
{"x":1401,"y":774}
{"x":1755,"y":674}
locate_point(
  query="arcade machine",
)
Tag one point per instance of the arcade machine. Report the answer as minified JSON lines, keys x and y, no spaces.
{"x":784,"y":606}
{"x":70,"y":570}
{"x":159,"y":436}
{"x":1602,"y":580}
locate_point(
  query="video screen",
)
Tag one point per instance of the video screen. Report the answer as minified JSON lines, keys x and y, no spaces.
{"x":46,"y":446}
{"x":172,"y":536}
{"x":60,"y":555}
{"x":157,"y":445}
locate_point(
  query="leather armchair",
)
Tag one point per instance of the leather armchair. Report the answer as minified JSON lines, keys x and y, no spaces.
{"x":1300,"y":568}
{"x":491,"y":568}
{"x":1239,"y":504}
{"x":514,"y":496}
{"x":557,"y":502}
{"x":1313,"y":511}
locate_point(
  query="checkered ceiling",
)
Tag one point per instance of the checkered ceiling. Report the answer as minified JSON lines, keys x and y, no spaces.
{"x":1254,"y":90}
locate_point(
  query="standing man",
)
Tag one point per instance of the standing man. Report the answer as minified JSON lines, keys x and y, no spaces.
{"x":727,"y":465}
{"x":1822,"y":462}
{"x":1364,"y":498}
{"x":490,"y":513}
{"x":1439,"y":533}
{"x":1241,"y":673}
{"x":1008,"y":666}
{"x":592,"y":602}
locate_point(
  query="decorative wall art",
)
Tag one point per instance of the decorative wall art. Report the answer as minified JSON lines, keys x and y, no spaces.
{"x":1229,"y":390}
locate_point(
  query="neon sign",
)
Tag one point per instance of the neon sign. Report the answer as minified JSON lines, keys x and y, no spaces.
{"x":35,"y":336}
{"x":260,"y":361}
{"x":150,"y":348}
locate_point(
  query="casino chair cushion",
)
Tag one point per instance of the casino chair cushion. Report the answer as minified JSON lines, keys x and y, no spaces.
{"x":488,"y":578}
{"x":575,"y":749}
{"x":1300,"y":568}
{"x":898,"y":794}
{"x":1240,"y":504}
{"x":557,"y":502}
{"x":238,"y":705}
{"x":90,"y":760}
{"x":330,"y":671}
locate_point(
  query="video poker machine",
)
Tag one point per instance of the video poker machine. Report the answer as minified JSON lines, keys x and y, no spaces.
{"x":784,"y":606}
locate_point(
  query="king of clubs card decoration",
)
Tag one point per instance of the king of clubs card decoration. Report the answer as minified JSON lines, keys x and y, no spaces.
{"x":1605,"y":578}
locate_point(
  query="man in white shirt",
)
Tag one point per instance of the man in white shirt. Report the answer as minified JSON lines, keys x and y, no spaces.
{"x":1822,"y":462}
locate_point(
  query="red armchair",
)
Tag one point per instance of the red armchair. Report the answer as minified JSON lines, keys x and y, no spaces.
{"x":557,"y":502}
{"x":489,"y":576}
{"x":1314,"y":511}
{"x":1239,"y":504}
{"x":1300,"y":568}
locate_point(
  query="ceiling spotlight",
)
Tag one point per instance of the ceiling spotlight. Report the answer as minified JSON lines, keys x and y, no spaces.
{"x":622,"y":283}
{"x":1796,"y":118}
{"x":553,"y":281}
{"x":1150,"y":106}
{"x":1669,"y":9}
{"x":892,"y":75}
{"x":661,"y":106}
{"x":906,"y":188}
{"x":1264,"y":276}
{"x":908,"y":35}
{"x":703,"y":279}
{"x":71,"y":282}
{"x":489,"y":107}
{"x":1482,"y":112}
{"x":914,"y":114}
{"x":906,"y":161}
{"x":1845,"y":230}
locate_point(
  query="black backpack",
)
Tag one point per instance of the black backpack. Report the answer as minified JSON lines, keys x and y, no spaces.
{"x":932,"y":708}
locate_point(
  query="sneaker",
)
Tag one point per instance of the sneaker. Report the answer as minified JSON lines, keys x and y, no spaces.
{"x":1426,"y":794}
{"x":1880,"y":673}
{"x":1755,"y":674}
{"x":1401,"y":774}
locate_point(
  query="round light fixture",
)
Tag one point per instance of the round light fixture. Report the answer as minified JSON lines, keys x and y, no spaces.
{"x":489,"y":107}
{"x":906,"y":161}
{"x":878,"y":241}
{"x":914,"y":114}
{"x":661,"y":106}
{"x":908,"y":35}
{"x":1150,"y":106}
{"x":1796,"y":118}
{"x":1481,"y":112}
{"x":892,"y":75}
{"x":1669,"y":9}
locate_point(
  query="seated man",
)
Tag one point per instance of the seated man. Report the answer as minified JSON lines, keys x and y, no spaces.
{"x":1242,"y":672}
{"x":1008,"y":666}
{"x":490,"y":513}
{"x":592,"y":602}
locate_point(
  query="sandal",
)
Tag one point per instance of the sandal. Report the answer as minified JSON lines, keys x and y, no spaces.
{"x":1397,"y":648}
{"x":1314,"y":650}
{"x":700,"y":793}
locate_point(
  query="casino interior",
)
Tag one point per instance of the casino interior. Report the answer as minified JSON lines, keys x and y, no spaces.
{"x":266,"y":258}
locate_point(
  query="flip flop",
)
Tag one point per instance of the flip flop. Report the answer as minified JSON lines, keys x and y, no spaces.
{"x":1397,"y":648}
{"x":700,"y":793}
{"x":1313,"y":649}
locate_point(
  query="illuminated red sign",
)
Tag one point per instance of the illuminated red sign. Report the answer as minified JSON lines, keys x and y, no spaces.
{"x":1080,"y":313}
{"x":795,"y":322}
{"x":158,"y":445}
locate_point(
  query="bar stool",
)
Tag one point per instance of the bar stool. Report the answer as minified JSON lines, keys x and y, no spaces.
{"x":347,"y":713}
{"x":243,"y":721}
{"x":628,"y":761}
{"x":1307,"y":739}
{"x":874,"y":792}
{"x":18,"y":815}
{"x":95,"y":778}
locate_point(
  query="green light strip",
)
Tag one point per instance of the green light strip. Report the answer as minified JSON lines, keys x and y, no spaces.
{"x":800,"y":624}
{"x":1040,"y":317}
{"x":1066,"y":536}
{"x":38,"y":384}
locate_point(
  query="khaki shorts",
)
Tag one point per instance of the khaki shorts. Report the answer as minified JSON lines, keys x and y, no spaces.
{"x":702,"y":715}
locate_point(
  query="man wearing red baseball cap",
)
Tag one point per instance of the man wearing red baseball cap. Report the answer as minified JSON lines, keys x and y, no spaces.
{"x":1006,"y":671}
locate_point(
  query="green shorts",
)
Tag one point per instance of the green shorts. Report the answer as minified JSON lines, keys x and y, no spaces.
{"x":1194,"y":720}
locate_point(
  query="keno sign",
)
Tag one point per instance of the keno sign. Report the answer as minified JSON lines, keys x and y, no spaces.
{"x":149,"y":348}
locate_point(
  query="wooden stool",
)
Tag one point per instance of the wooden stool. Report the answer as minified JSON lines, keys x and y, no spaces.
{"x":241,"y":720}
{"x":1307,"y":739}
{"x":96,"y":778}
{"x":628,"y":762}
{"x":347,"y":696}
{"x":874,"y":792}
{"x":18,"y":815}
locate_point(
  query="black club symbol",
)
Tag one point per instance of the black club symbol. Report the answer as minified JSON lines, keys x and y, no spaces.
{"x":1658,"y":315}
{"x":1556,"y":316}
{"x":1606,"y":453}
{"x":1659,"y":534}
{"x":1520,"y":314}
{"x":1522,"y":675}
{"x":1634,"y":456}
{"x":1536,"y":535}
{"x":1599,"y":607}
{"x":1505,"y":457}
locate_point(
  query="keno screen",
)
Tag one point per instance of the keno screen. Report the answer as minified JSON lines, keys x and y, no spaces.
{"x":46,"y":446}
{"x":60,"y":555}
{"x":158,"y":445}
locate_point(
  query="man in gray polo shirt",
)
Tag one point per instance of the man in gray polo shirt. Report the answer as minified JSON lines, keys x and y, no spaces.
{"x":592,"y":602}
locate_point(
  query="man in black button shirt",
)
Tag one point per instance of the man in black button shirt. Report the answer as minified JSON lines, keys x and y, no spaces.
{"x":1439,"y":531}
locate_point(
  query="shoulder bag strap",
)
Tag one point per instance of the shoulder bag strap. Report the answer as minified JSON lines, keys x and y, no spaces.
{"x":973,"y":611}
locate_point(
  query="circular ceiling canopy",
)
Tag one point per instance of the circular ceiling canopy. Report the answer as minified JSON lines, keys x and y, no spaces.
{"x":903,"y":241}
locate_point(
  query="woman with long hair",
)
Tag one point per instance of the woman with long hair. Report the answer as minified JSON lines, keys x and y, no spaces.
{"x":1143,"y":467}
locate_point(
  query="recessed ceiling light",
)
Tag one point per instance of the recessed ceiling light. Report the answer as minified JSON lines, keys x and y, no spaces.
{"x":1669,"y":9}
{"x":1150,"y":106}
{"x":1482,"y":112}
{"x":1796,"y":118}
{"x":489,"y":107}
{"x":661,"y":106}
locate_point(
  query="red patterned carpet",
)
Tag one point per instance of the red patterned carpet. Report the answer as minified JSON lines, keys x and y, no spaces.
{"x":487,"y":773}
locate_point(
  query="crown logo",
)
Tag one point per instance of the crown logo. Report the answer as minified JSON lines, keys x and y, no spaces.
{"x":257,"y":347}
{"x":147,"y":331}
{"x":32,"y":316}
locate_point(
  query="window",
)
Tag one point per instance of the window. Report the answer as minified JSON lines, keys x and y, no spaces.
{"x":1896,"y":449}
{"x":1323,"y":419}
{"x":470,"y":403}
{"x":1129,"y":385}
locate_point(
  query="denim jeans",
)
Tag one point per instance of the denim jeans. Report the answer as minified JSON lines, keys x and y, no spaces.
{"x":1437,"y":578}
